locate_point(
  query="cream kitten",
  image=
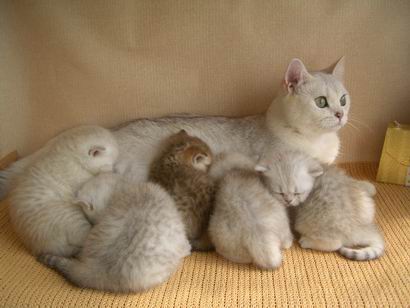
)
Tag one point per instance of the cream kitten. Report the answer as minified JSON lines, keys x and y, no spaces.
{"x":339,"y":215}
{"x":138,"y":240}
{"x":250,"y":223}
{"x":43,"y":210}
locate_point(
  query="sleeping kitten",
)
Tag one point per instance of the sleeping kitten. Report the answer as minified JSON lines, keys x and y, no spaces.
{"x":182,"y":169}
{"x":138,"y":240}
{"x":249,"y":223}
{"x":338,"y":215}
{"x":43,"y":210}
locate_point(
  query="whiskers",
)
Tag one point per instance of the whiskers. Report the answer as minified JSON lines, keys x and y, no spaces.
{"x":358,"y":123}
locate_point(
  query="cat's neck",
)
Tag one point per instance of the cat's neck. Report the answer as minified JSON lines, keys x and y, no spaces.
{"x":321,"y":145}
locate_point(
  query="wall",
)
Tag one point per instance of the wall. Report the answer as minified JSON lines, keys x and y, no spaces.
{"x":70,"y":62}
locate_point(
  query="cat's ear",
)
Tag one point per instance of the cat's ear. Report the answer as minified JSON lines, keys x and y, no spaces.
{"x":96,"y":150}
{"x":315,"y":170}
{"x":199,"y":158}
{"x":296,"y":75}
{"x":84,"y":205}
{"x":338,"y":70}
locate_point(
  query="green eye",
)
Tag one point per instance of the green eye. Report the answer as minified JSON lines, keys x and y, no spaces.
{"x":343,"y":100}
{"x":321,"y":102}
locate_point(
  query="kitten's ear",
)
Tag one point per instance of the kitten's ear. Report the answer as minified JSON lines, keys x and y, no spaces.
{"x":316,"y":170}
{"x":85,"y":205}
{"x":199,"y":158}
{"x":339,"y":69}
{"x":96,"y":151}
{"x":183,"y":132}
{"x":296,"y":75}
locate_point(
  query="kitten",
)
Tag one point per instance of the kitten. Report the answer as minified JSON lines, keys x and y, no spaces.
{"x":137,"y":243}
{"x":182,"y":169}
{"x":338,"y":215}
{"x":249,"y":223}
{"x":43,"y":210}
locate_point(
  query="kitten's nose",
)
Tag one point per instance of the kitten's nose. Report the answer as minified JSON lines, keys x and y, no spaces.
{"x":339,"y":114}
{"x":287,"y":198}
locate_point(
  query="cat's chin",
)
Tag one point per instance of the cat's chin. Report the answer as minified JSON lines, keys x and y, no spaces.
{"x":333,"y":128}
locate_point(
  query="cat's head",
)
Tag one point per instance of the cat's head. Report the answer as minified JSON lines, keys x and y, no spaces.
{"x":190,"y":151}
{"x":94,"y":147}
{"x":315,"y":101}
{"x":289,"y":175}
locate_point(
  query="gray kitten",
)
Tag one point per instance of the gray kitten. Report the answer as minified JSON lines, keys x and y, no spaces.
{"x":249,"y":223}
{"x":182,"y":169}
{"x":339,"y":214}
{"x":138,"y":240}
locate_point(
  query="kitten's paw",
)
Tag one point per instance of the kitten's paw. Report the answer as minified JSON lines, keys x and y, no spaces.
{"x":286,"y":244}
{"x":270,"y":259}
{"x":48,"y":260}
{"x":305,"y":243}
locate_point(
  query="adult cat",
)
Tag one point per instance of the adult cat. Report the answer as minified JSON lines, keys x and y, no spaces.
{"x":306,"y":117}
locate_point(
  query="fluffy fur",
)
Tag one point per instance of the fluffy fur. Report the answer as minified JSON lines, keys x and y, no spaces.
{"x":182,"y":169}
{"x":293,"y":117}
{"x":249,"y":223}
{"x":339,"y":215}
{"x":137,"y":243}
{"x":43,"y":209}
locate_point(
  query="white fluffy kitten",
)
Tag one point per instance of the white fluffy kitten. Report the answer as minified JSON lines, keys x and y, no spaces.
{"x":42,"y":208}
{"x":250,"y":223}
{"x":138,"y":240}
{"x":339,"y":215}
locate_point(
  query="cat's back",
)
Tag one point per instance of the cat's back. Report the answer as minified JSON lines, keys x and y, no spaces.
{"x":240,"y":192}
{"x":336,"y":194}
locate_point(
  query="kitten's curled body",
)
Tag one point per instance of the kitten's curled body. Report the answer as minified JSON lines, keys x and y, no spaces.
{"x":182,"y":170}
{"x":249,"y":223}
{"x":138,"y":240}
{"x":338,"y":215}
{"x":43,"y":207}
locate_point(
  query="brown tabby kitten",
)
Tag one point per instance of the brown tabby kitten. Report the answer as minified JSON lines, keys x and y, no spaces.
{"x":182,"y":169}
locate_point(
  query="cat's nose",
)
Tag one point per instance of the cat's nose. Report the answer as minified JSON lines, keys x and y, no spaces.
{"x":339,"y":114}
{"x":287,"y":198}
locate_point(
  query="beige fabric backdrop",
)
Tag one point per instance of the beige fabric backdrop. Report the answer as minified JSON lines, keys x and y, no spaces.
{"x":65,"y":63}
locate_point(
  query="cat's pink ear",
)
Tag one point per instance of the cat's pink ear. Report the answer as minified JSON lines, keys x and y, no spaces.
{"x":296,"y":75}
{"x":339,"y":69}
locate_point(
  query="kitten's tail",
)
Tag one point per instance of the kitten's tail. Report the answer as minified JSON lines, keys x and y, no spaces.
{"x":374,"y":250}
{"x":75,"y":271}
{"x":9,"y":175}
